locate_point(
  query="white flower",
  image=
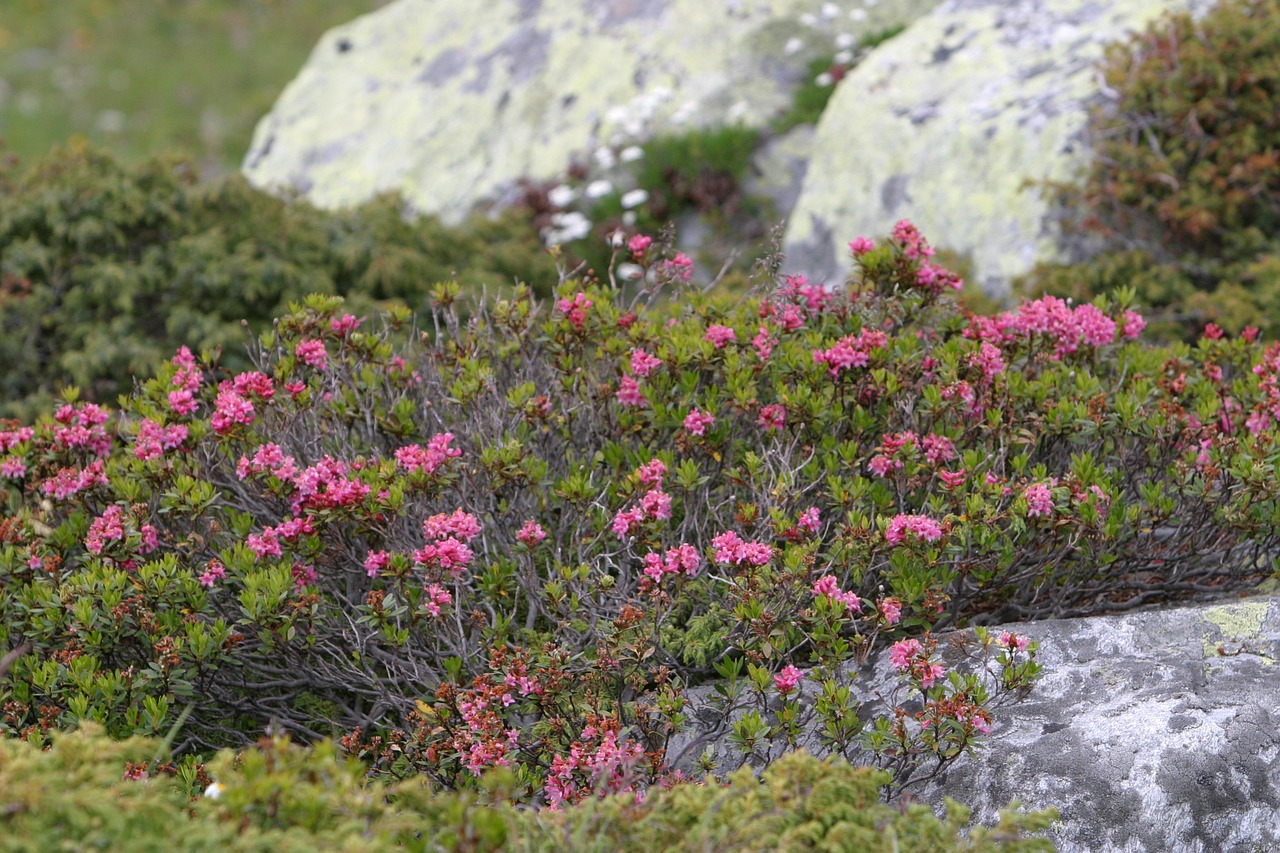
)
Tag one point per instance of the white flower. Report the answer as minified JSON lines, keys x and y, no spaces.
{"x":844,"y":57}
{"x":631,"y":153}
{"x":604,"y":158}
{"x":794,"y":46}
{"x":808,"y":20}
{"x":630,"y":272}
{"x":635,"y":198}
{"x":561,"y":196}
{"x":213,"y":791}
{"x":824,"y":79}
{"x":830,"y":10}
{"x":568,"y":227}
{"x":845,"y":40}
{"x":858,"y":14}
{"x":599,"y":188}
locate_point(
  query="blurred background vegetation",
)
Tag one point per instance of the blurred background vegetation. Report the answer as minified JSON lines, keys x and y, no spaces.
{"x":140,"y":77}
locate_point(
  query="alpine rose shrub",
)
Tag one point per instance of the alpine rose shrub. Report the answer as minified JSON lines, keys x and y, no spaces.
{"x":505,"y":544}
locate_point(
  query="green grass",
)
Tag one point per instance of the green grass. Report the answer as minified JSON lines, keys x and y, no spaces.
{"x":143,"y":76}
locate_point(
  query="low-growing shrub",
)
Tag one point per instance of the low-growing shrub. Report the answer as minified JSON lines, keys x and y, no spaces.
{"x":88,"y":792}
{"x":515,"y":541}
{"x":106,"y":268}
{"x":1184,"y":183}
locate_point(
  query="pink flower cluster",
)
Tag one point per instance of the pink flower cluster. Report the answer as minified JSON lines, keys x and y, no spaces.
{"x":891,"y":610}
{"x":1039,"y":499}
{"x":447,"y":537}
{"x":696,"y":422}
{"x":989,"y":359}
{"x":829,"y":587}
{"x":730,"y":549}
{"x":326,"y":485}
{"x":71,"y":481}
{"x":531,"y":534}
{"x":912,"y":658}
{"x":851,"y":351}
{"x":929,"y":276}
{"x":919,"y":526}
{"x":683,"y":559}
{"x":186,"y":380}
{"x":108,"y":527}
{"x":14,"y":467}
{"x":268,"y":458}
{"x":233,"y":404}
{"x":153,"y":440}
{"x":720,"y":336}
{"x":429,"y":459}
{"x":214,"y":572}
{"x":787,"y":679}
{"x":376,"y":562}
{"x":575,"y":309}
{"x":655,"y":504}
{"x":1013,"y":642}
{"x":607,"y":767}
{"x":642,"y":363}
{"x":82,"y":426}
{"x":629,"y":392}
{"x":810,"y":520}
{"x":773,"y":417}
{"x":638,"y":245}
{"x":679,"y":268}
{"x":312,"y":353}
{"x":437,"y":598}
{"x":345,"y":324}
{"x":1066,"y":328}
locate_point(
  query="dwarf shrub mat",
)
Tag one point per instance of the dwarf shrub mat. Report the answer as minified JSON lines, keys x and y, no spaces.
{"x":106,"y":268}
{"x":89,"y":792}
{"x":1183,"y":186}
{"x":515,"y":541}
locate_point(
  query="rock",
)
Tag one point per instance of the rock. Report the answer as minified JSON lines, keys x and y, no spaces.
{"x":1156,"y":730}
{"x":947,"y":123}
{"x":450,"y":107}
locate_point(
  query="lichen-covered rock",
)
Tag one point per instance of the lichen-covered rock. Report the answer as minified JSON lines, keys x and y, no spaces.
{"x":948,"y":123}
{"x":1156,"y":730}
{"x":450,"y":103}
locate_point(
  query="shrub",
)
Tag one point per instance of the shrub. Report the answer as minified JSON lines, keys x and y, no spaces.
{"x":88,"y":792}
{"x":1184,"y":183}
{"x":105,"y":269}
{"x":516,"y":541}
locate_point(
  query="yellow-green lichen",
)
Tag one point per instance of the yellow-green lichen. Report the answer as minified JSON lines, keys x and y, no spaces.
{"x":1237,"y":624}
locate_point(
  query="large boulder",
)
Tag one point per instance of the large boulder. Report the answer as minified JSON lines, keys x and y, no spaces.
{"x":951,"y":122}
{"x":1155,"y":730}
{"x":449,"y":105}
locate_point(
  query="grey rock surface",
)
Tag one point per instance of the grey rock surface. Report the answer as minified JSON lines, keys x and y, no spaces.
{"x":450,"y":102}
{"x":947,"y":125}
{"x":1151,"y":731}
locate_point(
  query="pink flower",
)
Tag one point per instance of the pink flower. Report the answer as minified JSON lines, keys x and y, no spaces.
{"x":772,"y":417}
{"x":376,"y":562}
{"x":629,"y":392}
{"x":638,"y":245}
{"x":13,"y":467}
{"x":458,"y":523}
{"x":920,"y":526}
{"x":680,"y":267}
{"x":1039,"y":499}
{"x":265,"y":544}
{"x":861,"y":245}
{"x":344,"y":324}
{"x":231,"y":409}
{"x":652,"y":472}
{"x":575,"y":309}
{"x":1256,"y":423}
{"x":787,"y":680}
{"x":436,"y":599}
{"x":719,"y":336}
{"x":531,"y":534}
{"x":891,"y":610}
{"x":989,"y":359}
{"x":951,"y":479}
{"x":656,"y":504}
{"x":642,"y":364}
{"x":215,"y":573}
{"x":626,"y":521}
{"x":696,"y":422}
{"x":763,"y":343}
{"x":312,"y":353}
{"x":829,"y":587}
{"x":1134,"y":323}
{"x":108,"y":527}
{"x":902,"y":652}
{"x":809,"y":520}
{"x":448,"y":554}
{"x":730,"y":549}
{"x":1013,"y":642}
{"x":428,"y":460}
{"x":182,"y":401}
{"x":154,"y":439}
